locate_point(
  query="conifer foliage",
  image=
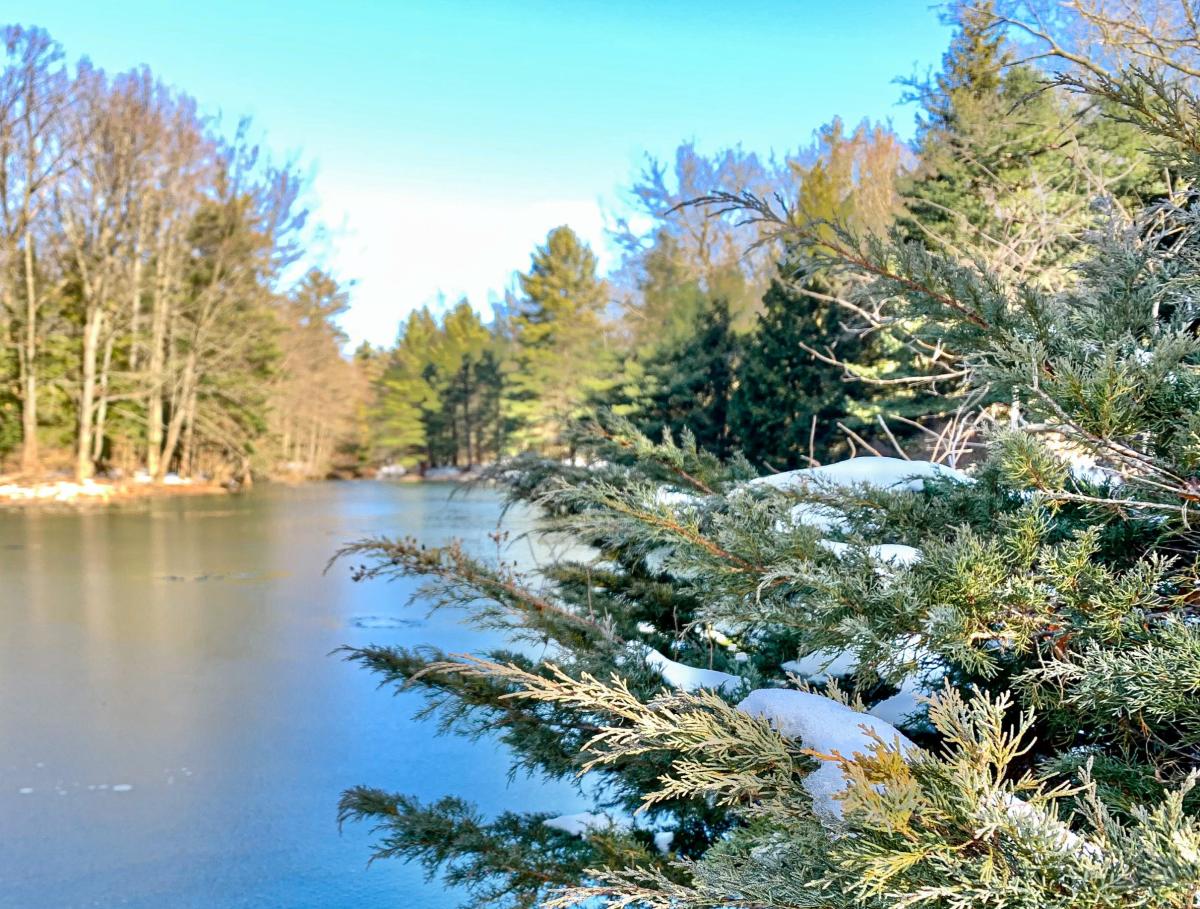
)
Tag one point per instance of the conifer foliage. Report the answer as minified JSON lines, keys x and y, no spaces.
{"x":787,"y":404}
{"x":879,"y":682}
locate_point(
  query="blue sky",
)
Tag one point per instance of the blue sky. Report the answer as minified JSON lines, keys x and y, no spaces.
{"x":446,"y":138}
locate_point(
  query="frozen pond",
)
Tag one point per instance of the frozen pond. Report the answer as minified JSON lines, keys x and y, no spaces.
{"x":173,"y":730}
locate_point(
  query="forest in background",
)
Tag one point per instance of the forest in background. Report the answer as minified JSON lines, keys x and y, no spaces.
{"x":152,"y":321}
{"x":708,"y":323}
{"x":146,"y":322}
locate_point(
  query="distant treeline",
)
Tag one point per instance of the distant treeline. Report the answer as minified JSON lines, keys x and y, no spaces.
{"x":750,"y":351}
{"x":141,"y":252}
{"x":146,"y":324}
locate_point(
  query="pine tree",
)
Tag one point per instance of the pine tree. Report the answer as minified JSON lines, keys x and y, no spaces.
{"x":880,"y":682}
{"x":688,"y":385}
{"x":560,"y":336}
{"x":439,"y":400}
{"x":787,"y":403}
{"x":1008,"y":164}
{"x":403,"y":395}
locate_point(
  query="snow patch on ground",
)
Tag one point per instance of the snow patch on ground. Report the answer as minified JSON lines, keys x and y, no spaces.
{"x":57,"y":491}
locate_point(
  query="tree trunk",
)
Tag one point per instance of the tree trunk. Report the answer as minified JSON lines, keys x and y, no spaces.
{"x":156,"y":377}
{"x":187,"y":466}
{"x":467,"y":415}
{"x":30,"y":462}
{"x":135,"y":296}
{"x":102,"y":400}
{"x":87,"y":397}
{"x":175,"y":427}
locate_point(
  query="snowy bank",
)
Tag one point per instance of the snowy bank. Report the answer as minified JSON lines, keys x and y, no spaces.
{"x":98,"y":492}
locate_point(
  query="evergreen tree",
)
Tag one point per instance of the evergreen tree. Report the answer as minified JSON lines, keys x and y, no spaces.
{"x":403,"y":395}
{"x":467,"y":341}
{"x":787,"y":403}
{"x":1009,"y":165}
{"x":668,"y":303}
{"x":881,"y":682}
{"x":559,"y":330}
{"x":688,"y":385}
{"x":440,"y":399}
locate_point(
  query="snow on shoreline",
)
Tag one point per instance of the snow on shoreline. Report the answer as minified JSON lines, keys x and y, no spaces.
{"x":98,"y":492}
{"x":57,"y":491}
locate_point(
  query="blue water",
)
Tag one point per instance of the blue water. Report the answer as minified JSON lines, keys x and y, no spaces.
{"x":181,"y":649}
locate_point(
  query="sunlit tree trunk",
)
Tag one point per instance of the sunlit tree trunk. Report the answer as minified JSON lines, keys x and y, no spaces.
{"x":84,"y":467}
{"x":178,"y":416}
{"x":98,"y":429}
{"x":188,"y":460}
{"x":30,"y":462}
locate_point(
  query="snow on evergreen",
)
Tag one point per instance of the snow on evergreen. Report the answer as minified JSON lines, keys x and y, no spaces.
{"x":673,"y":498}
{"x":827,"y":727}
{"x":896,"y":555}
{"x":689,"y":678}
{"x":818,"y":517}
{"x":903,"y":707}
{"x":822,"y":665}
{"x":877,"y":472}
{"x":585,"y":822}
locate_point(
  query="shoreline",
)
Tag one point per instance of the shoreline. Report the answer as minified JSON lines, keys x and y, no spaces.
{"x":69,"y":494}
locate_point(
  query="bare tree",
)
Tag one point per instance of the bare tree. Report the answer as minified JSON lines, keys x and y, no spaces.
{"x":33,"y":155}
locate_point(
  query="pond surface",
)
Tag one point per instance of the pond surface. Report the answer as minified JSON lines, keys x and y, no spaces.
{"x":173,"y":730}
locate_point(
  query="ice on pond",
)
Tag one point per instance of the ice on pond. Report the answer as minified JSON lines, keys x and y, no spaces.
{"x":122,"y":787}
{"x":25,"y":790}
{"x":383,"y":621}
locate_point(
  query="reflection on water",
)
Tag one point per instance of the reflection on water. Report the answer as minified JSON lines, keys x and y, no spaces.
{"x":173,"y":730}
